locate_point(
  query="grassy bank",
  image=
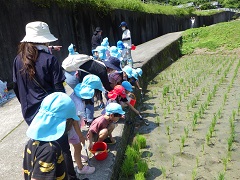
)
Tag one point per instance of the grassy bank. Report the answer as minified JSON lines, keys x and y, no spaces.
{"x":223,"y":35}
{"x":133,"y":5}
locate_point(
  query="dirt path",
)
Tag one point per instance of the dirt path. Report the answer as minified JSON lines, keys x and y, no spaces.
{"x":190,"y":106}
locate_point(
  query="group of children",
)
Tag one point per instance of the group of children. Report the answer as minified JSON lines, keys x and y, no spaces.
{"x":121,"y":81}
{"x":107,"y":76}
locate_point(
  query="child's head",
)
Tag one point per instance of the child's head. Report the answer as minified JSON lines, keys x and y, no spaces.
{"x":127,"y":86}
{"x":85,"y":90}
{"x":49,"y":124}
{"x":105,"y":42}
{"x":100,"y":52}
{"x":114,"y":111}
{"x":114,"y":52}
{"x":120,"y":45}
{"x":127,"y":72}
{"x":113,"y":63}
{"x":139,"y":71}
{"x":118,"y":91}
{"x":134,"y":74}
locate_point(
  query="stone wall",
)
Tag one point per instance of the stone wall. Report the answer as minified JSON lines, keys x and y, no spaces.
{"x":76,"y":25}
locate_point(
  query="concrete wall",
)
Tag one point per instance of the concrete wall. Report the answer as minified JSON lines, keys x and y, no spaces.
{"x":76,"y":25}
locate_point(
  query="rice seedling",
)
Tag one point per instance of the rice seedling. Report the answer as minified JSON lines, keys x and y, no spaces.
{"x":134,"y":154}
{"x":225,"y":162}
{"x":169,"y":138}
{"x":169,"y":109}
{"x":173,"y":161}
{"x":141,"y":141}
{"x":197,"y":161}
{"x":139,"y":176}
{"x":238,"y":108}
{"x":186,"y":131}
{"x":142,"y":166}
{"x":158,"y":121}
{"x":203,"y":149}
{"x":188,"y":106}
{"x":164,"y":173}
{"x":230,"y":143}
{"x":165,"y":114}
{"x":177,"y":116}
{"x":219,"y":113}
{"x":189,"y":90}
{"x":168,"y":130}
{"x":127,"y":168}
{"x":183,"y":139}
{"x":181,"y":149}
{"x":225,"y":99}
{"x":233,"y":114}
{"x":194,"y":174}
{"x":221,"y":176}
{"x":203,"y":90}
{"x":155,"y":109}
{"x":208,"y":139}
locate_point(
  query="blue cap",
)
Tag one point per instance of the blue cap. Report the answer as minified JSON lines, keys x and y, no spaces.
{"x":134,"y":74}
{"x":71,"y":49}
{"x":85,"y":90}
{"x":114,"y":52}
{"x":128,"y":71}
{"x":101,"y":52}
{"x":127,"y":86}
{"x":50,"y":122}
{"x":120,"y":45}
{"x":139,"y":71}
{"x":105,"y":42}
{"x":113,"y":108}
{"x":123,"y":24}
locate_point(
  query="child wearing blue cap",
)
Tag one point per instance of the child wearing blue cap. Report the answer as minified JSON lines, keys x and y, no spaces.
{"x":102,"y":127}
{"x":43,"y":156}
{"x":82,"y":97}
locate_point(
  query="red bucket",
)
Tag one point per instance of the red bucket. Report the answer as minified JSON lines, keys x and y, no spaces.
{"x":132,"y":99}
{"x":133,"y":47}
{"x":100,"y":151}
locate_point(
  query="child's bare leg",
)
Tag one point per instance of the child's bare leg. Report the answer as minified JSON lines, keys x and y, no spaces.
{"x":103,"y":134}
{"x":110,"y":130}
{"x":77,"y":155}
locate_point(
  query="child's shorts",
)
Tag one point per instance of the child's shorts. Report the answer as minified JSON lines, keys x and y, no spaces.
{"x":74,"y":139}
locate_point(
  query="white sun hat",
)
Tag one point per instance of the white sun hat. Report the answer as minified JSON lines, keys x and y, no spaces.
{"x":38,"y":32}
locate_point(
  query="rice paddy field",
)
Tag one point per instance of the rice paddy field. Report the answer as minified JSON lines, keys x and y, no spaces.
{"x":193,"y":108}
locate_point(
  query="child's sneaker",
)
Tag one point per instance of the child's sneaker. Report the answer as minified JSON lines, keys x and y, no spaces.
{"x":86,"y":170}
{"x":109,"y":141}
{"x":84,"y":158}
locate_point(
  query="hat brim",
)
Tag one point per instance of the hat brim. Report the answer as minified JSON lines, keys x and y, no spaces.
{"x":112,"y":95}
{"x":39,"y":39}
{"x":129,"y":89}
{"x":109,"y":65}
{"x":45,"y":127}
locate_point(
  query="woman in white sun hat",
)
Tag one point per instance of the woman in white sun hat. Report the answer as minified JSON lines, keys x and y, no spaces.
{"x":36,"y":74}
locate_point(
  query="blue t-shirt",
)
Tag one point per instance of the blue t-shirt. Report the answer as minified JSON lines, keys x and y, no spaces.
{"x":48,"y":73}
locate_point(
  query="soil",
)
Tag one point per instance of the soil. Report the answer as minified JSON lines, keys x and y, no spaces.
{"x":193,"y":78}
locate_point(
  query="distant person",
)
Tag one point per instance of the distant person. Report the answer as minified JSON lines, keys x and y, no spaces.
{"x":127,"y":42}
{"x":192,"y":22}
{"x":43,"y":157}
{"x":97,"y":38}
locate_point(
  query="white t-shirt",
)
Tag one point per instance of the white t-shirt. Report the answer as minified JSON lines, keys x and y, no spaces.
{"x":127,"y":34}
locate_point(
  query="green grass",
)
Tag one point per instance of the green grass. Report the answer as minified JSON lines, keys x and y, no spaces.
{"x":108,"y":5}
{"x":225,"y":35}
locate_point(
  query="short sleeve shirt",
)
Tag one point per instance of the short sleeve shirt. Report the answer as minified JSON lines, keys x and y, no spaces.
{"x":127,"y":34}
{"x":99,"y":124}
{"x":43,"y":160}
{"x":48,"y":72}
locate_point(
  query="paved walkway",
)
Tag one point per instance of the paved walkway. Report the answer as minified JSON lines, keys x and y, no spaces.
{"x":13,"y":128}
